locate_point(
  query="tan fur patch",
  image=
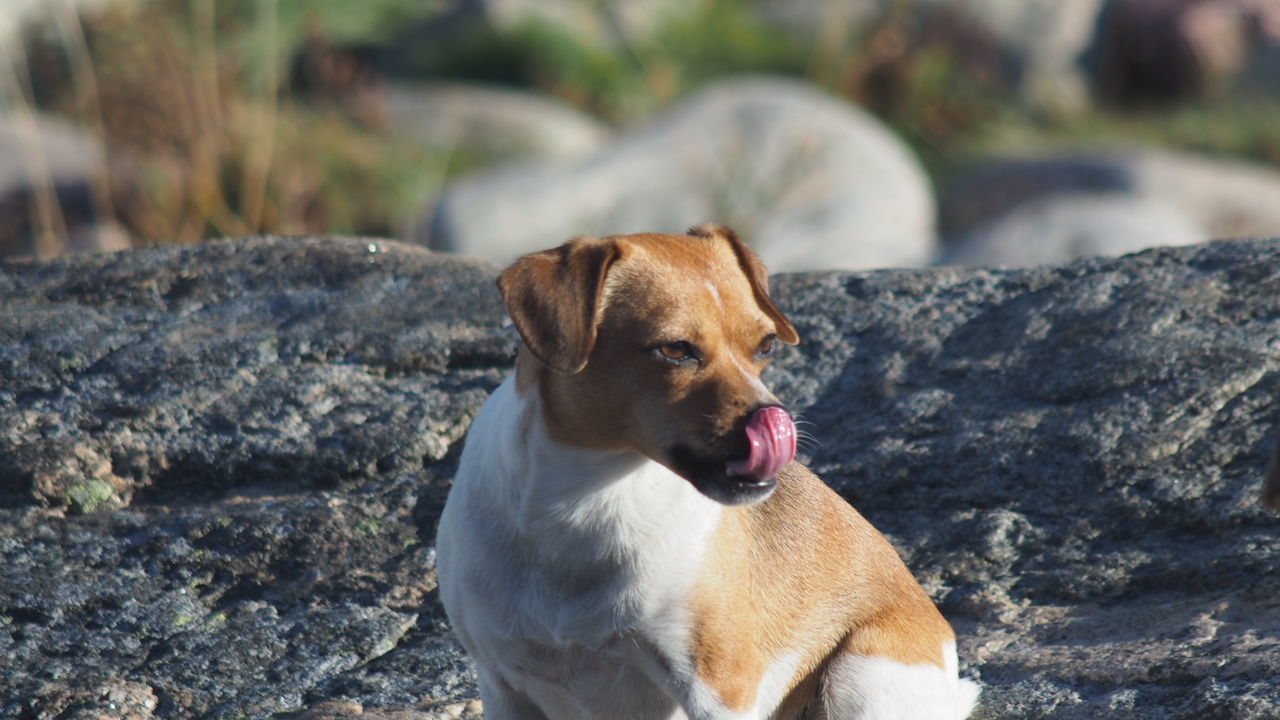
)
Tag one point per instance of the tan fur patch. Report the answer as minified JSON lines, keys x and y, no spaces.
{"x":804,"y":571}
{"x":656,"y":293}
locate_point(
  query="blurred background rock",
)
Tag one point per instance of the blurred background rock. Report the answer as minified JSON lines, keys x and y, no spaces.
{"x":869,"y":133}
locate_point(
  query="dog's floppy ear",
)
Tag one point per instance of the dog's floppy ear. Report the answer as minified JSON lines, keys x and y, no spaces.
{"x":757,"y":274}
{"x":555,"y":298}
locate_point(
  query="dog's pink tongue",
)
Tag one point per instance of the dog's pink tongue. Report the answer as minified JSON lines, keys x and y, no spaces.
{"x":772,"y":437}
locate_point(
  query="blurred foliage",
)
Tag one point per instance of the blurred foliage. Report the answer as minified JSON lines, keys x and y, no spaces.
{"x":943,"y":85}
{"x":206,"y":137}
{"x":244,"y":116}
{"x":623,"y":79}
{"x":1245,"y":127}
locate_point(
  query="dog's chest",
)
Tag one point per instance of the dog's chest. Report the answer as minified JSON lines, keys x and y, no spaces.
{"x":568,"y":578}
{"x":582,"y":620}
{"x":582,"y":571}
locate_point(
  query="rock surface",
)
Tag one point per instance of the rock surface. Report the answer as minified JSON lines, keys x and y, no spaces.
{"x":222,"y":466}
{"x":818,"y":182}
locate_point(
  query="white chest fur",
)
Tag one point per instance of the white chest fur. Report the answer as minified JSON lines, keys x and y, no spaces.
{"x":564,"y":570}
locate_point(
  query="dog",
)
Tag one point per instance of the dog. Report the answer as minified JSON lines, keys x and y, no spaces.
{"x":628,"y":535}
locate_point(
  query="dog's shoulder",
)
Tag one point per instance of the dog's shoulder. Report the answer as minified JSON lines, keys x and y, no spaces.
{"x":804,"y":508}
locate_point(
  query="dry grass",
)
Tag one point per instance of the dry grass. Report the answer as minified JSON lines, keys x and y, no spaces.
{"x":203,"y":137}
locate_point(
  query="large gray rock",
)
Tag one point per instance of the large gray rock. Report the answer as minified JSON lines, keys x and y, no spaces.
{"x":485,"y":126}
{"x":1224,"y":197}
{"x":37,"y":148}
{"x":19,"y":15}
{"x":258,"y":434}
{"x":809,"y":180}
{"x":1061,"y":228}
{"x":44,"y":159}
{"x":223,"y":465}
{"x":490,"y":121}
{"x":618,"y":23}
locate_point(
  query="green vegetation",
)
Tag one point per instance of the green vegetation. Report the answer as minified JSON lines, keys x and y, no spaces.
{"x":88,"y":496}
{"x":945,"y":93}
{"x":1244,"y":127}
{"x":626,"y":78}
{"x":368,"y":526}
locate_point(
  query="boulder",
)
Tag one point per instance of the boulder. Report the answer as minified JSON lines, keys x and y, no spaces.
{"x":479,"y":125}
{"x":44,"y":159}
{"x":17,"y":16}
{"x":222,"y":466}
{"x":1060,"y":228}
{"x":1224,"y":197}
{"x":1168,"y":50}
{"x":490,"y":121}
{"x":809,"y":180}
{"x":615,"y":24}
{"x":235,"y":385}
{"x":46,"y":146}
{"x":252,"y":438}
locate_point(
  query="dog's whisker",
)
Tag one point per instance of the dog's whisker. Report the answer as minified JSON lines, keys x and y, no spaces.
{"x":800,"y":419}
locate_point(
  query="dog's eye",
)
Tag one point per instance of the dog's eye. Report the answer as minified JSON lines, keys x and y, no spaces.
{"x":677,"y":351}
{"x":765,"y":348}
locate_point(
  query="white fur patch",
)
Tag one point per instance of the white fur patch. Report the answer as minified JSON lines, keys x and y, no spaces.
{"x":715,"y":294}
{"x":877,"y":688}
{"x":702,"y":701}
{"x":763,"y":395}
{"x":564,"y":570}
{"x":776,"y":683}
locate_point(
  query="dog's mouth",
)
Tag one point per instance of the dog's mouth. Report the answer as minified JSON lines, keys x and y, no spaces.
{"x":770,"y":445}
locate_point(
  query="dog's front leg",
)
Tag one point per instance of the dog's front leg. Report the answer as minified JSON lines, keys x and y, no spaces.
{"x":698,"y":701}
{"x":502,"y":702}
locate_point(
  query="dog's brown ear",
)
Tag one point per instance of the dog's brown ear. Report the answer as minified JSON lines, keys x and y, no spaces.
{"x":555,"y":298}
{"x":757,"y":274}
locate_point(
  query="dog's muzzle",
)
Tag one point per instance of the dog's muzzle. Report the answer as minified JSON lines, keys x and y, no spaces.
{"x":771,"y":444}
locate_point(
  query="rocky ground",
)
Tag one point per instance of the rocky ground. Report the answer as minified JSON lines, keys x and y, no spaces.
{"x":220,"y":468}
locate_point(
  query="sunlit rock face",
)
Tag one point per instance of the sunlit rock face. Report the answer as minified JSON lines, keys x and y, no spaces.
{"x":221,"y":467}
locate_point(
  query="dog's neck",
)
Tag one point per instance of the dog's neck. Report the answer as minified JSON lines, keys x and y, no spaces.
{"x":549,"y":481}
{"x":595,"y":524}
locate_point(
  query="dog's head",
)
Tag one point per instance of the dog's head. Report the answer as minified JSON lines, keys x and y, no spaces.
{"x":655,"y":343}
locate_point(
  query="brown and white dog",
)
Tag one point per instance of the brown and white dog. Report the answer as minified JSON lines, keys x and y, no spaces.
{"x":629,"y":536}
